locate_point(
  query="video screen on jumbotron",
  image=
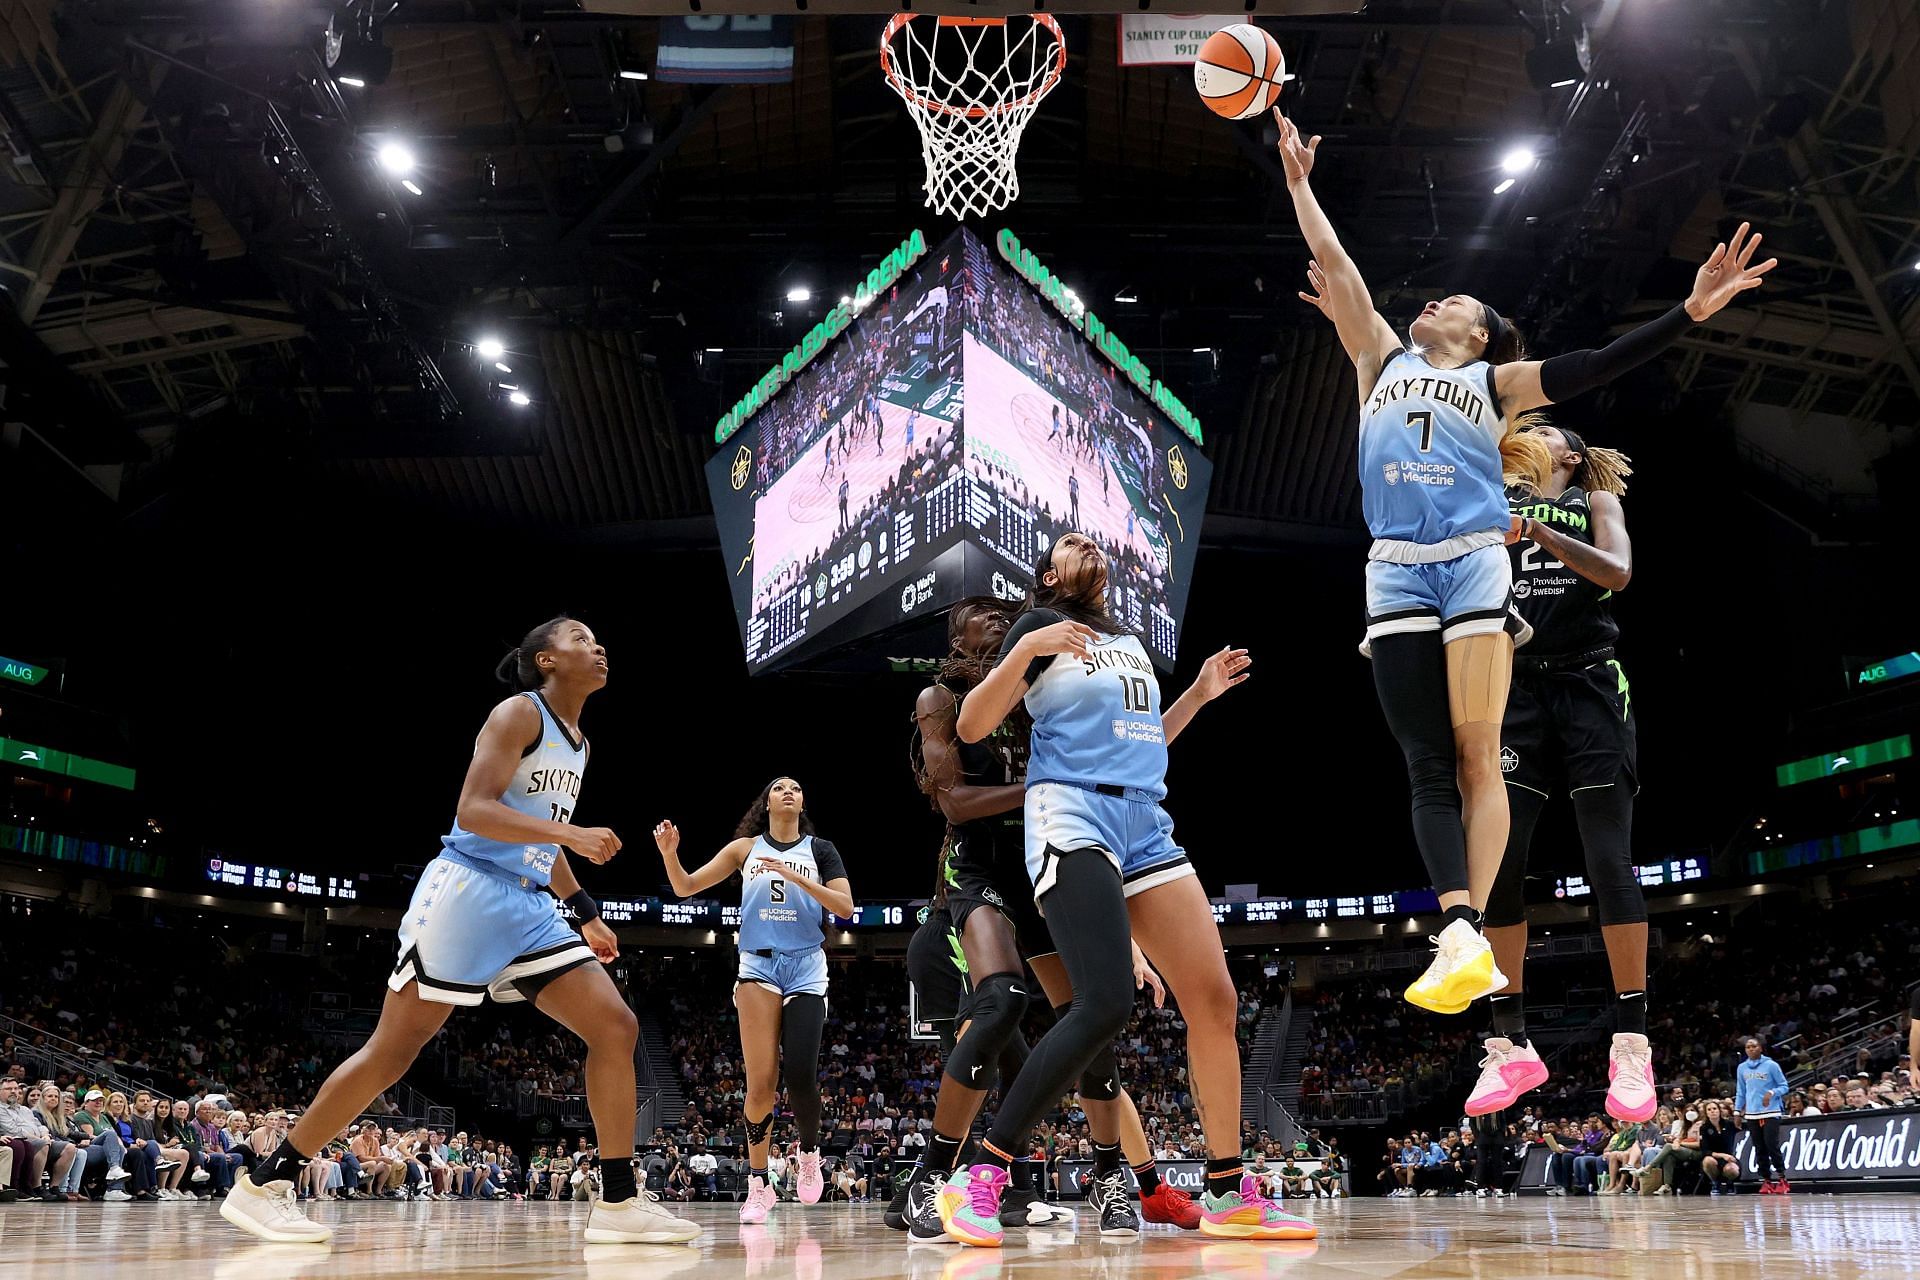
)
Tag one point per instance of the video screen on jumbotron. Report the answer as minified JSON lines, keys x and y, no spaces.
{"x":940,"y":433}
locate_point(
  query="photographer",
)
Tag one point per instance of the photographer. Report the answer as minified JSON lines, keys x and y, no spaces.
{"x":1718,"y":1133}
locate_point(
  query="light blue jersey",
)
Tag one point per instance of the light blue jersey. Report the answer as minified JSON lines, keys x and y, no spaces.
{"x":1096,"y":721}
{"x":546,"y":785}
{"x":776,"y":917}
{"x":1430,"y":461}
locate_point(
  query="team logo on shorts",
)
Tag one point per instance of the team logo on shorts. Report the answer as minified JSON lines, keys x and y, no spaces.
{"x":1509,"y":759}
{"x":1392,"y":472}
{"x":1177,"y":467}
{"x":992,"y":895}
{"x":742,"y":467}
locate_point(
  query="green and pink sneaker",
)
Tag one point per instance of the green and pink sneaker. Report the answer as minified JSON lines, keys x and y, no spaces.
{"x":969,"y":1205}
{"x":1247,"y":1215}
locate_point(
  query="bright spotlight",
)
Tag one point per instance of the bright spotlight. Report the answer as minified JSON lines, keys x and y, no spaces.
{"x":799,"y":293}
{"x":520,"y":398}
{"x":412,"y":187}
{"x":490,"y":348}
{"x":633,"y":75}
{"x":1506,"y":185}
{"x":353,"y":82}
{"x":1517,"y":161}
{"x":396,"y":158}
{"x":502,"y":366}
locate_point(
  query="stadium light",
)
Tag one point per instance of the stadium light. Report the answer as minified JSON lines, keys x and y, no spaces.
{"x":490,"y":348}
{"x":520,"y":398}
{"x":799,"y":293}
{"x":1506,"y":185}
{"x":633,"y":75}
{"x":410,"y":185}
{"x":503,"y":366}
{"x":1518,"y":160}
{"x":353,"y":82}
{"x":396,"y":158}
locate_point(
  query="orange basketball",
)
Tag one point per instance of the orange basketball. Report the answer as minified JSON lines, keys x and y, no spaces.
{"x":1240,"y":71}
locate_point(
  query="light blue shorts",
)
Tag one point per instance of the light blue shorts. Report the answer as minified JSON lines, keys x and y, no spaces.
{"x":791,"y":973}
{"x":1468,"y":596}
{"x":469,"y":934}
{"x":1131,"y":830}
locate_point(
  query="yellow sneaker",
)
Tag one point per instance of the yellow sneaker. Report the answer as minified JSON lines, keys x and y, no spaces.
{"x":1462,"y":971}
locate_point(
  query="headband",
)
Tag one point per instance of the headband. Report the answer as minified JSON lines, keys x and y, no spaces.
{"x":1496,"y":328}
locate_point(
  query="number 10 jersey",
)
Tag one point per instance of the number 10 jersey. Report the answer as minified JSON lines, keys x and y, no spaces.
{"x":1096,"y":720}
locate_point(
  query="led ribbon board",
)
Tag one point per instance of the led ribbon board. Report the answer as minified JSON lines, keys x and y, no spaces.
{"x":1068,"y":303}
{"x":908,"y":252}
{"x":22,"y":672}
{"x":1846,"y":760}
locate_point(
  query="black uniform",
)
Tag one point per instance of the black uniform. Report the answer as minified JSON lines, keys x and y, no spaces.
{"x":1570,"y":705}
{"x":937,"y":967}
{"x":985,"y":862}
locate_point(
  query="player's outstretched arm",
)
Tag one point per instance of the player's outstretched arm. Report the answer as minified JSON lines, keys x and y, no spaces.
{"x":1218,"y":674}
{"x":1728,"y":272}
{"x":715,"y":871}
{"x":1365,"y":334}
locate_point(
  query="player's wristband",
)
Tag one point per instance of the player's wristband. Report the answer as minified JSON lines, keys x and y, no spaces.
{"x":581,"y":903}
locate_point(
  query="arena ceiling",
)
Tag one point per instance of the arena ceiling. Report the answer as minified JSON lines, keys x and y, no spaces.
{"x":202,"y":257}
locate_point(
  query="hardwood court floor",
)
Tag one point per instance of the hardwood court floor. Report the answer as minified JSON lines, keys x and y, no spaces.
{"x":1747,"y":1238}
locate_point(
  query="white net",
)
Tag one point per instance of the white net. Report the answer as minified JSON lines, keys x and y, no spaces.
{"x":972,"y":84}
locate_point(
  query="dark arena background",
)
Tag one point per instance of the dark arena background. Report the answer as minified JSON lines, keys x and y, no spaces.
{"x":344,"y":343}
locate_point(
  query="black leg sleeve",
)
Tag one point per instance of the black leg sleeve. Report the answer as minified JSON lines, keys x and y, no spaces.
{"x":803,"y":1021}
{"x":1410,"y":676}
{"x":1605,"y":817}
{"x":1087,"y":912}
{"x":1507,"y":903}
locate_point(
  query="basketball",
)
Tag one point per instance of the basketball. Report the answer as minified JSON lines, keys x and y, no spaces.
{"x":1240,"y":71}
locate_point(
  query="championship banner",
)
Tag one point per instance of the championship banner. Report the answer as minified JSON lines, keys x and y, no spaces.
{"x":721,"y":48}
{"x":1167,"y":39}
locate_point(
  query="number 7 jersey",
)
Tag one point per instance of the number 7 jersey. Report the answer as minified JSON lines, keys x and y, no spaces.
{"x":1096,"y":720}
{"x":1430,"y":461}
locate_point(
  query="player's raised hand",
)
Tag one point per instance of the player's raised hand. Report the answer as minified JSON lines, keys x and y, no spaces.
{"x":595,"y":844}
{"x":1317,"y":281}
{"x":1296,"y":154}
{"x":1068,"y":638}
{"x":1222,"y":672}
{"x":667,"y":837}
{"x":1726,"y":272}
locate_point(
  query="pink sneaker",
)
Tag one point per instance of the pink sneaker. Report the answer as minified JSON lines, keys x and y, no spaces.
{"x":1630,"y":1092}
{"x":812,"y":1185}
{"x":1506,"y":1072}
{"x":759,"y":1201}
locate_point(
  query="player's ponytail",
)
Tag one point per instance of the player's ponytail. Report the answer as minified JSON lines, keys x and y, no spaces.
{"x":1600,"y":470}
{"x":1525,"y":459}
{"x":518,"y":670}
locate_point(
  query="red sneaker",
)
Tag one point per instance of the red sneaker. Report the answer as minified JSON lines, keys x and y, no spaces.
{"x":1781,"y":1188}
{"x":1171,"y":1205}
{"x":1769,"y":1189}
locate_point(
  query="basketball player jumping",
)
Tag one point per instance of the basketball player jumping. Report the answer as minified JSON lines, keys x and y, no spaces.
{"x":483,"y":922}
{"x":1436,"y":449}
{"x":985,"y":898}
{"x":790,"y":882}
{"x":1104,"y":866}
{"x":1570,"y":703}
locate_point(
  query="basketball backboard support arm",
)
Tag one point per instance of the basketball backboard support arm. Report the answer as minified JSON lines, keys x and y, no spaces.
{"x":968,"y":8}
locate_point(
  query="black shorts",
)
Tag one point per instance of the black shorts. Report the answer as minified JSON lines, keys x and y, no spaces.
{"x":1573,"y":726}
{"x":935,"y":966}
{"x":990,"y":870}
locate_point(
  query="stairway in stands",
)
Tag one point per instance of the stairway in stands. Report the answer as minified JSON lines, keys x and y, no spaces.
{"x":654,"y":1060}
{"x":1292,"y":1057}
{"x":1257,"y":1072}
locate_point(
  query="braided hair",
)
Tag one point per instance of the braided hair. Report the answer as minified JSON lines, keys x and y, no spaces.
{"x":1600,"y":470}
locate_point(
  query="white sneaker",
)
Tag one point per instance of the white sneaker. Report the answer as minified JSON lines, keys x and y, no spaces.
{"x":200,"y":1175}
{"x":759,"y":1201}
{"x":163,"y":1165}
{"x":116,"y":1194}
{"x":271,"y":1213}
{"x":641,"y":1220}
{"x":115,"y":1173}
{"x":1630,"y":1092}
{"x":1461,"y":972}
{"x":812,"y":1185}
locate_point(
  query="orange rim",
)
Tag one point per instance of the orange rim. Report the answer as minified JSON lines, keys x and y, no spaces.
{"x":899,"y":20}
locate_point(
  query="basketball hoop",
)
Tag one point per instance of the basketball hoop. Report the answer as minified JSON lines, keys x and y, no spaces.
{"x":972,"y":84}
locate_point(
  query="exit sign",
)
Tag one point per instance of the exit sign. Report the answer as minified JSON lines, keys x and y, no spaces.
{"x":22,"y":672}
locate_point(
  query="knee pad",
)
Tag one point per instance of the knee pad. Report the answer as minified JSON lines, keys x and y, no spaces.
{"x":1605,"y":818}
{"x":1100,"y":1082}
{"x":993,"y":1017}
{"x":757,"y":1130}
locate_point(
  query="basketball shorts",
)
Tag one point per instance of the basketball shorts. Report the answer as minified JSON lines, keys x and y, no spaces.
{"x":469,"y":934}
{"x":1131,"y":830}
{"x":1467,"y":596}
{"x":1573,"y":725}
{"x":790,"y":973}
{"x":937,"y":968}
{"x":986,"y":868}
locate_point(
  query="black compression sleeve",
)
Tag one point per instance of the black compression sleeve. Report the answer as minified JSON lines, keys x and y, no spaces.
{"x":1563,"y":377}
